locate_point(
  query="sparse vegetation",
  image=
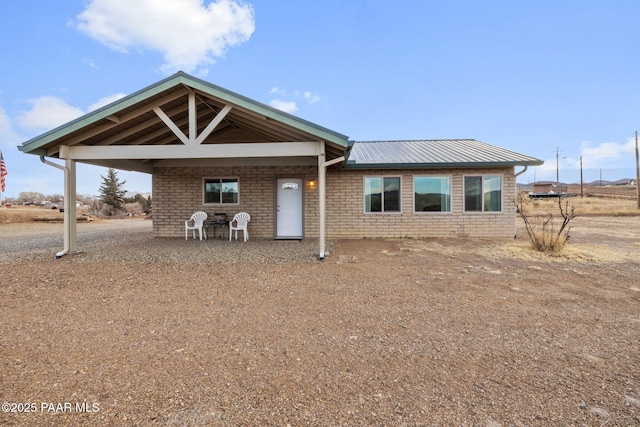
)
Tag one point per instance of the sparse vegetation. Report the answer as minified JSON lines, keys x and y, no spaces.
{"x":30,"y":198}
{"x":49,"y":207}
{"x":368,"y":337}
{"x":543,"y":232}
{"x":143,"y":204}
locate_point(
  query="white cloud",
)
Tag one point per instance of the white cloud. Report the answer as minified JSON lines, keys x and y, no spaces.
{"x":286,"y":106}
{"x":186,"y":32}
{"x":8,"y":137}
{"x":608,"y":154}
{"x":546,"y":171}
{"x":48,"y":112}
{"x":106,"y":101}
{"x":91,"y":64}
{"x":291,"y":106}
{"x":277,"y":91}
{"x":611,"y":160}
{"x":311,"y":98}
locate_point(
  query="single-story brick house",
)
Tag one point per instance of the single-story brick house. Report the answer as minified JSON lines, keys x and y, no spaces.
{"x":214,"y":150}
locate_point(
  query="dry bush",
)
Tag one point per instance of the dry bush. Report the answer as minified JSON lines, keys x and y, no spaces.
{"x":133,"y":209}
{"x":543,"y":233}
{"x":591,"y":206}
{"x":100,"y":209}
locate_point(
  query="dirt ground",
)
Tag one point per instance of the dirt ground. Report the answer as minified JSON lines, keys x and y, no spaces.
{"x":21,"y":214}
{"x":383,"y":332}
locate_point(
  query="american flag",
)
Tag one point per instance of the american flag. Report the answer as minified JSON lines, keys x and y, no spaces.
{"x":3,"y":173}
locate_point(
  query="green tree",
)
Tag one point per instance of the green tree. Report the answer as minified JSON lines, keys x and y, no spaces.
{"x":112,"y":192}
{"x":145,"y":202}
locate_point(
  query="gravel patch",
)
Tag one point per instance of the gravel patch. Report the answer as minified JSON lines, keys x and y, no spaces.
{"x":142,"y":331}
{"x":130,"y":240}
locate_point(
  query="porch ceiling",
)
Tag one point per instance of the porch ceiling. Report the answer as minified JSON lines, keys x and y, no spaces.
{"x":135,"y":121}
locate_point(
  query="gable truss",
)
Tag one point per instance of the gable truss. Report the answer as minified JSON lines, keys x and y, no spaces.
{"x":184,"y":124}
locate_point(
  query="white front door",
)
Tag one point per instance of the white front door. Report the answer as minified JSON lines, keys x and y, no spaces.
{"x":289,"y":208}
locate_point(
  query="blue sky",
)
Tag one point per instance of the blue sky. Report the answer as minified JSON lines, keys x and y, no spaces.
{"x":528,"y":76}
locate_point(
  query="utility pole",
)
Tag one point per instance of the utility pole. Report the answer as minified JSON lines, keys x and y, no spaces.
{"x":637,"y":172}
{"x":581,"y":185}
{"x":557,"y":166}
{"x":581,"y":181}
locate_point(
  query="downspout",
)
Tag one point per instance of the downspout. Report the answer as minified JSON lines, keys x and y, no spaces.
{"x":67,"y":233}
{"x":322,"y":202}
{"x":522,"y":171}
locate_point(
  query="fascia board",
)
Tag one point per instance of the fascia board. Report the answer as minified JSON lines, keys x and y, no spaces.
{"x":35,"y":151}
{"x":99,"y":114}
{"x":190,"y":81}
{"x":348,"y":165}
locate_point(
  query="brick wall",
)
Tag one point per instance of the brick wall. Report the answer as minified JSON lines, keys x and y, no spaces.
{"x":346,"y":216}
{"x":178,"y":192}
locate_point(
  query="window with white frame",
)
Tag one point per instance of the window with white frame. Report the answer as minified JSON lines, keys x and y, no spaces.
{"x":221,"y":190}
{"x":483,"y":193}
{"x":432,"y":194}
{"x":382,"y":194}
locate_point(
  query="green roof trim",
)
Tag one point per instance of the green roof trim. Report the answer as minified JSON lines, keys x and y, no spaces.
{"x":432,"y":154}
{"x":349,"y":165}
{"x":263,"y":109}
{"x":97,"y":115}
{"x":181,"y":78}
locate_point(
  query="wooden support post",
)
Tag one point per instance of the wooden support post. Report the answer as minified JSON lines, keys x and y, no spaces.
{"x":70,"y":206}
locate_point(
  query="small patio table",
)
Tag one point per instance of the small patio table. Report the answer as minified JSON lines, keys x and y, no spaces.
{"x":213,"y":223}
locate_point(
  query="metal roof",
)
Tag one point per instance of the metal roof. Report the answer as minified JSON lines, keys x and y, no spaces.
{"x":441,"y":153}
{"x":132,"y":121}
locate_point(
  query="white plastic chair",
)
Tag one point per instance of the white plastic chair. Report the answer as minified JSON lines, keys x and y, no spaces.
{"x":241,"y":219}
{"x":198,"y":219}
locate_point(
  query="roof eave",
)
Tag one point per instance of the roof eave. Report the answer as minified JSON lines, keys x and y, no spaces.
{"x":180,"y":77}
{"x":97,"y":115}
{"x":267,"y":111}
{"x":453,"y":165}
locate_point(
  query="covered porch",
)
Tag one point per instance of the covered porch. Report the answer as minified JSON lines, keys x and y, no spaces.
{"x":190,"y":135}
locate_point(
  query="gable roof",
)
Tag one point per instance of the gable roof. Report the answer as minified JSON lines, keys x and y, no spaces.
{"x":136,"y":120}
{"x":441,"y":153}
{"x":132,"y":121}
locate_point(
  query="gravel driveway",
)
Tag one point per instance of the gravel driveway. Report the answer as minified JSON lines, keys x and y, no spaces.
{"x":137,"y":331}
{"x":132,"y":240}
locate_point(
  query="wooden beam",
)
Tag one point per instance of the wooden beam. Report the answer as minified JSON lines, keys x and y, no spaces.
{"x":132,"y":115}
{"x":244,"y":161}
{"x":142,"y":126}
{"x":213,"y":124}
{"x":203,"y":151}
{"x":125,"y":165}
{"x":171,"y":125}
{"x":193,"y":118}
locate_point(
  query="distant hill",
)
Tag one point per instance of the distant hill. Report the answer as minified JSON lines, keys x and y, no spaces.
{"x":595,"y":183}
{"x":604,"y":183}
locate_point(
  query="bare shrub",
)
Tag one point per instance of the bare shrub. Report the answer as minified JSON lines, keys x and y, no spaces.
{"x":133,"y":209}
{"x":544,"y":234}
{"x":102,"y":210}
